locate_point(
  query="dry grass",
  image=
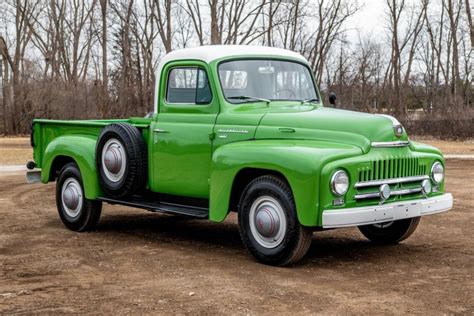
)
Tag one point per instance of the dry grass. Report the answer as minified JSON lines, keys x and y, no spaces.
{"x":465,"y":147}
{"x":17,"y":150}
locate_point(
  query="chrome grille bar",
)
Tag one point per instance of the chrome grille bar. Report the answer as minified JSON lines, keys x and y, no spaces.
{"x":365,"y":184}
{"x":406,"y":191}
{"x":398,"y":143}
{"x":373,"y":195}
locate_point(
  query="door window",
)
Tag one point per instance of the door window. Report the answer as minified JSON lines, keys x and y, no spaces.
{"x":188,"y":85}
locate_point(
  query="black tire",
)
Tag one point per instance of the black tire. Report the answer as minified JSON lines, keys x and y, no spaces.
{"x":296,"y":239}
{"x":88,"y":211}
{"x":133,"y":177}
{"x":392,"y":232}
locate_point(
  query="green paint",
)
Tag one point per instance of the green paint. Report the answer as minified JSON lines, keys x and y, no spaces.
{"x":203,"y":147}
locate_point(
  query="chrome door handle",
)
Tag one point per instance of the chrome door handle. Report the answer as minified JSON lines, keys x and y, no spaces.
{"x":158,"y":130}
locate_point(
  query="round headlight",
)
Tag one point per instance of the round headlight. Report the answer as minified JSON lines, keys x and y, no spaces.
{"x":425,"y":187}
{"x":339,"y":182}
{"x":437,"y":172}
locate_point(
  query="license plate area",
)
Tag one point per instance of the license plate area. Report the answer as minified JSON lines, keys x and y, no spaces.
{"x":408,"y":210}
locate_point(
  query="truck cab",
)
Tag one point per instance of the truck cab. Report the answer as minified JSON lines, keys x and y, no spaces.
{"x":244,"y":129}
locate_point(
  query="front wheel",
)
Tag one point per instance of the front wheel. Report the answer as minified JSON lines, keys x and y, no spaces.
{"x":268,"y":224}
{"x":76,"y":212}
{"x":390,"y":232}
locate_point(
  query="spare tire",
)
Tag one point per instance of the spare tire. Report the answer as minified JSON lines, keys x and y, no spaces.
{"x":121,"y":157}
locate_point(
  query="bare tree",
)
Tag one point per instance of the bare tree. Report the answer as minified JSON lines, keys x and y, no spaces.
{"x":231,"y":21}
{"x":193,"y":9}
{"x":105,"y":75}
{"x":453,"y":10}
{"x":469,"y":19}
{"x":163,"y":18}
{"x":15,"y":95}
{"x":332,"y":18}
{"x":103,"y":54}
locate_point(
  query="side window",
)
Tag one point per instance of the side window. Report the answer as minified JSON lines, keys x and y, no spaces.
{"x":188,"y":85}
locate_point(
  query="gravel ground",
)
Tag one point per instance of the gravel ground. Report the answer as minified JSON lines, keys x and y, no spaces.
{"x":145,"y":263}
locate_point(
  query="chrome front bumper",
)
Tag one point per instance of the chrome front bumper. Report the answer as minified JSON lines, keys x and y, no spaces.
{"x":366,"y":215}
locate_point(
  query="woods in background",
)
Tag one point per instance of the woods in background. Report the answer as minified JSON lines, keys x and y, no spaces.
{"x":74,"y":59}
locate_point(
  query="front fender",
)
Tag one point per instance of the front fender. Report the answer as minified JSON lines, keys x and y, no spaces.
{"x":82,"y":150}
{"x":299,"y":161}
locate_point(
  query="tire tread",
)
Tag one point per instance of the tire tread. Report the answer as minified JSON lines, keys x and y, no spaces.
{"x":136,"y":176}
{"x":92,"y":209}
{"x":303,"y":235}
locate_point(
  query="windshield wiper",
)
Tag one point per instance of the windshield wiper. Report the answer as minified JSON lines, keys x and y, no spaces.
{"x":245,"y":97}
{"x":312,"y":100}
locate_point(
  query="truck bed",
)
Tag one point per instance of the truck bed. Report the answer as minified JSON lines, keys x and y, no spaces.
{"x":45,"y":131}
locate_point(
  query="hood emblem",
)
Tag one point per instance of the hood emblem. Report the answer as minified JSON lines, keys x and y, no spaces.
{"x":397,"y":126}
{"x":398,"y":129}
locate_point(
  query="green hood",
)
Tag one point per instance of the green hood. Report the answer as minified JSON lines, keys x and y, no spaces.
{"x":328,"y":124}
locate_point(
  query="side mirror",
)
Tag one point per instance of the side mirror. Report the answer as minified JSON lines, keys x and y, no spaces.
{"x":332,"y":98}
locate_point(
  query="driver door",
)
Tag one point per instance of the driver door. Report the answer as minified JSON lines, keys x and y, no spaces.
{"x":181,"y":133}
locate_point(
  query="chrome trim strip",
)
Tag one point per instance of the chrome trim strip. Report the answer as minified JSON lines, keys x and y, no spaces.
{"x":233,"y":130}
{"x":372,"y":195}
{"x":390,"y":181}
{"x":398,"y":143}
{"x":367,"y":215}
{"x":159,"y":130}
{"x":406,"y":191}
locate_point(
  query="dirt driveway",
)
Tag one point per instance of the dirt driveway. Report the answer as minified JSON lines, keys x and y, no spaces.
{"x":139,"y":262}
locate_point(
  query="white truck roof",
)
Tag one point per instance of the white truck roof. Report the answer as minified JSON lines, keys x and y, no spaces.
{"x":212,"y":52}
{"x":208,"y":53}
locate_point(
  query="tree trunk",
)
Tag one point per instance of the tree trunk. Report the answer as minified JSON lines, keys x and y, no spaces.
{"x":105,"y":76}
{"x":216,"y":37}
{"x":469,"y":19}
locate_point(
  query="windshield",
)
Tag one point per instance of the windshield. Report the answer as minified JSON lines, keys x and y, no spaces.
{"x":249,"y":80}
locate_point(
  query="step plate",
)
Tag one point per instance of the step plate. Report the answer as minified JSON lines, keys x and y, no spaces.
{"x":165,"y":207}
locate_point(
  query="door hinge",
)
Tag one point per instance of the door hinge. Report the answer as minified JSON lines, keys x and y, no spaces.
{"x":212,"y":136}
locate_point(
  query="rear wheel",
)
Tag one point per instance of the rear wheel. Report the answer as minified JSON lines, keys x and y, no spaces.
{"x":390,"y":232}
{"x":76,"y":212}
{"x":268,"y":224}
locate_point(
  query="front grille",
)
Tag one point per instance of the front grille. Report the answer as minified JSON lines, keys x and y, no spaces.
{"x":392,"y":168}
{"x":398,"y":186}
{"x":404,"y":175}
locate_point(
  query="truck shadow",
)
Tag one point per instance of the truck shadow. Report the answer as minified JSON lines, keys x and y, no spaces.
{"x":327,"y":247}
{"x":173,"y":228}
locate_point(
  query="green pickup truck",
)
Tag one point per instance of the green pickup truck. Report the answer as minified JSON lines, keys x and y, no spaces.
{"x":243,"y":129}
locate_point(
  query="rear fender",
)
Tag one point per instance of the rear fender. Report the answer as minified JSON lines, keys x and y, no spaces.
{"x":82,"y":150}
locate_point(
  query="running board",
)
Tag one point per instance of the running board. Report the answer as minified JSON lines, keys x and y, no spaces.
{"x":164,"y":207}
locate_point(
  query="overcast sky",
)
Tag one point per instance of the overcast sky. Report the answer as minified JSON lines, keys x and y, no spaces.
{"x":371,"y":17}
{"x":370,"y":20}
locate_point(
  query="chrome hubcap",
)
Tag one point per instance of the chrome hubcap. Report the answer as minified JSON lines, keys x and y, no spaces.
{"x":267,"y":222}
{"x":114,"y":160}
{"x":71,"y":196}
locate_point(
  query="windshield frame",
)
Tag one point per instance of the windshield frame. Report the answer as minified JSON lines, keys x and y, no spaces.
{"x":236,"y":102}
